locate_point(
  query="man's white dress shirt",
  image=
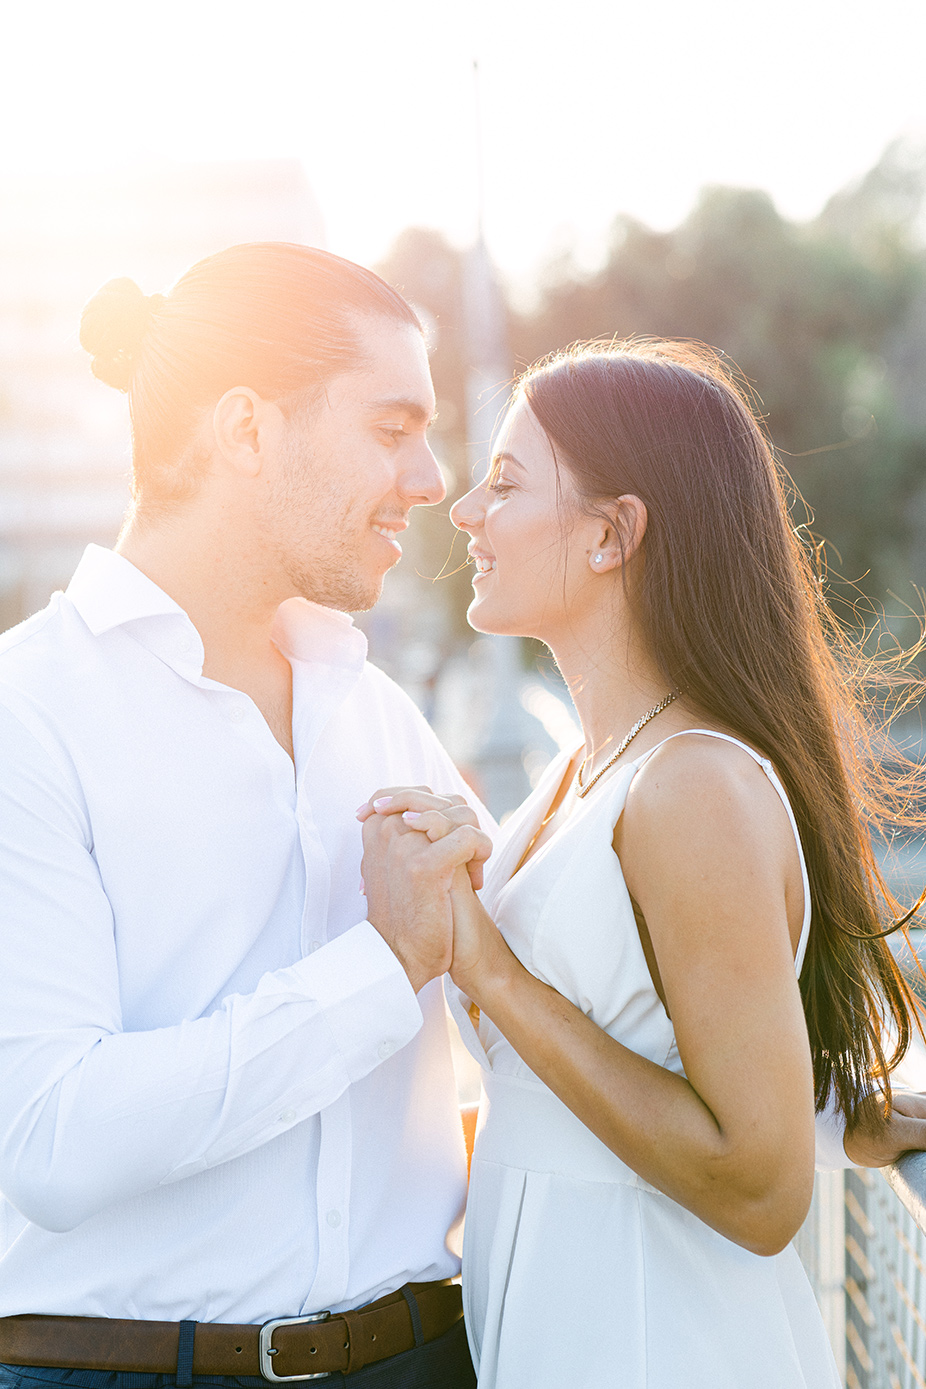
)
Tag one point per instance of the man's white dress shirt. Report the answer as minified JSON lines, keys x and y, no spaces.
{"x":221,"y":1099}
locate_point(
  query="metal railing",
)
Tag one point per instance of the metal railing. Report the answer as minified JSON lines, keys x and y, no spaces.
{"x":864,"y":1248}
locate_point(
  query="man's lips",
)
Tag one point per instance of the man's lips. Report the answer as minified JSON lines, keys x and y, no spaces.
{"x":389,"y":530}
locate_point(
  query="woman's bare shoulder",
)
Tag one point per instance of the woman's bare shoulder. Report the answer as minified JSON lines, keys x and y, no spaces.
{"x":701,"y":791}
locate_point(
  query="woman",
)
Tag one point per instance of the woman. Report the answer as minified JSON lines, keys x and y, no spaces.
{"x":651,"y":1061}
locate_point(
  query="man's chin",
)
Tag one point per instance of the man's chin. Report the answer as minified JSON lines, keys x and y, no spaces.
{"x":368,"y":602}
{"x":352,"y":598}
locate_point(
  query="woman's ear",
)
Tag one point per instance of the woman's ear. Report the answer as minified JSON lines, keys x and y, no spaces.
{"x":620,"y":536}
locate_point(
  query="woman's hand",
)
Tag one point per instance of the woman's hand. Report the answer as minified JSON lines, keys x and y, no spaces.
{"x":481,"y":959}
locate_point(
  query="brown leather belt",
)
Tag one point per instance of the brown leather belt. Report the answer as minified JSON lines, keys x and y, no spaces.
{"x":287,"y":1348}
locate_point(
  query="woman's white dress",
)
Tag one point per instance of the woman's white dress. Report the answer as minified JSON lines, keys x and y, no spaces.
{"x":576,"y":1272}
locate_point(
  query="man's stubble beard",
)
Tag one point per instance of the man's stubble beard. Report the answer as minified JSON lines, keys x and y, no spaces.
{"x":328,"y":576}
{"x":328,"y":585}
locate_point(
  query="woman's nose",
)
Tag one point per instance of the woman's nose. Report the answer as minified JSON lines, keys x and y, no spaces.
{"x":467,"y":512}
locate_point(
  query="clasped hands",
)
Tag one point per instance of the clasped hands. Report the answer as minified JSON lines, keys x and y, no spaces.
{"x":423,"y":857}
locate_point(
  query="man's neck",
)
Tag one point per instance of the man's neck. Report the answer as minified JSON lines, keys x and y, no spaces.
{"x":220,"y":587}
{"x":196,"y":556}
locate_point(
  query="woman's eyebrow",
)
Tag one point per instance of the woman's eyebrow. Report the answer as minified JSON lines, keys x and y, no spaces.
{"x":499,"y":458}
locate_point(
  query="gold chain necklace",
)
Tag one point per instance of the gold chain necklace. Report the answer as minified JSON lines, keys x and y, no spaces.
{"x":640,"y":724}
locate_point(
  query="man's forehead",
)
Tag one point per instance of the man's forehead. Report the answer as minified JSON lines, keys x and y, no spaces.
{"x":391,"y":373}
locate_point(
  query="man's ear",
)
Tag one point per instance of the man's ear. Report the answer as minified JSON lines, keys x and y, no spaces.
{"x":620,"y":535}
{"x":247,"y":430}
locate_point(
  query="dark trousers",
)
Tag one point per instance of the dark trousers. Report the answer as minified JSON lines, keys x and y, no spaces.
{"x":441,"y":1364}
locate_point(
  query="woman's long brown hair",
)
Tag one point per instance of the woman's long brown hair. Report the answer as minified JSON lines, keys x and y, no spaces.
{"x":733,"y":607}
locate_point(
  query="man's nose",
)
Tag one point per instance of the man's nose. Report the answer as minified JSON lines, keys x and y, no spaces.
{"x":422,"y":481}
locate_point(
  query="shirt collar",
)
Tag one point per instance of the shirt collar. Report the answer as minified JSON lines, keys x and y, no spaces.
{"x":108,"y":591}
{"x":308,"y":632}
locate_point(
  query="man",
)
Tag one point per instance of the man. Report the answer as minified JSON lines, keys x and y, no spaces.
{"x":227,"y":1099}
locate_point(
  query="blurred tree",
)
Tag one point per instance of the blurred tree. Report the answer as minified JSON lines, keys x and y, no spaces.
{"x":818,"y":317}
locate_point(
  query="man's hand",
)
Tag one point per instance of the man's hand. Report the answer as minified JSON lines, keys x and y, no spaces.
{"x":451,"y":827}
{"x":878,"y":1143}
{"x":411,"y":911}
{"x":407,"y":879}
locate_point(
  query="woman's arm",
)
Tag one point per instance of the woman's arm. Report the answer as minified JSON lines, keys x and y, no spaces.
{"x":709,"y":856}
{"x":905,"y":1129}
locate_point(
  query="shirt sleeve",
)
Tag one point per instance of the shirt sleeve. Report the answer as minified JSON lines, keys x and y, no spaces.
{"x":91,"y":1115}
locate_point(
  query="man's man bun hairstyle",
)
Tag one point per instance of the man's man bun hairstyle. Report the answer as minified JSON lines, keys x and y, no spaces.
{"x":112,"y":328}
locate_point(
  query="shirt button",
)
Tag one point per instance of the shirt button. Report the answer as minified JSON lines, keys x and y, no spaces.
{"x":386,"y":1049}
{"x":187,"y":644}
{"x":316,"y":945}
{"x":237,"y":714}
{"x":334,"y":1219}
{"x":287,"y":1116}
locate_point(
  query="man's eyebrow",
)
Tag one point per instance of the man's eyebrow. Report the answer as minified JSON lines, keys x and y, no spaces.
{"x":412,"y":408}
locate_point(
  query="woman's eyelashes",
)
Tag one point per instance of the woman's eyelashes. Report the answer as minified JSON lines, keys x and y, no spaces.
{"x":499,"y":485}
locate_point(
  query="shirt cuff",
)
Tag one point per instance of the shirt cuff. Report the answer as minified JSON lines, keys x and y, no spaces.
{"x":831,"y":1154}
{"x":366,"y":997}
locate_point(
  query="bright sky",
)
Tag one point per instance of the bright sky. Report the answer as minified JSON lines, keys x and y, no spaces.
{"x":589,"y":107}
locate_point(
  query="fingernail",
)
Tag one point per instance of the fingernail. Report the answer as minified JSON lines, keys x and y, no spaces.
{"x":383,"y":801}
{"x":362,"y":888}
{"x":411,"y":815}
{"x":361,"y":807}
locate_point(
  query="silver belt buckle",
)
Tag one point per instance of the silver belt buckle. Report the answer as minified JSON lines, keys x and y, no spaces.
{"x":267,"y":1350}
